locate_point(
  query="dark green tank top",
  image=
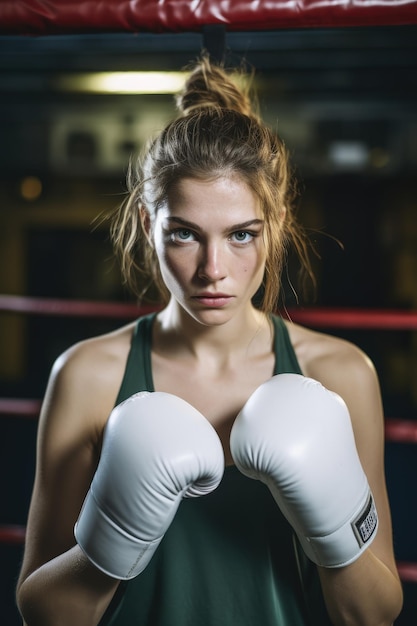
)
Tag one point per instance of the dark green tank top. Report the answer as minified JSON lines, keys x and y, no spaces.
{"x":229,"y":558}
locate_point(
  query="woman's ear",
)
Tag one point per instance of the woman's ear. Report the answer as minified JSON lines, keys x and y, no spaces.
{"x":145,"y":221}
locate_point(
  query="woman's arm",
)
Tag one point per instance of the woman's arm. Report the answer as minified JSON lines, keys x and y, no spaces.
{"x":57,"y":584}
{"x":367,"y":592}
{"x":65,"y":590}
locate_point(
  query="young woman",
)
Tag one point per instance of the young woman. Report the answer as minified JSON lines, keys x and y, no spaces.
{"x":192,"y":515}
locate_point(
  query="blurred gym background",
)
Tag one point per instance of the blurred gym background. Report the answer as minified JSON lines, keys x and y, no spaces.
{"x":345,"y":102}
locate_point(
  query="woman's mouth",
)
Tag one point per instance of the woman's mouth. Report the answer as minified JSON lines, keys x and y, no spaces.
{"x":214,"y":300}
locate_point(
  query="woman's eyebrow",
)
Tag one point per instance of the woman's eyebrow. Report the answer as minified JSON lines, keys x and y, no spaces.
{"x":248,"y":224}
{"x":180,"y":220}
{"x":240,"y":226}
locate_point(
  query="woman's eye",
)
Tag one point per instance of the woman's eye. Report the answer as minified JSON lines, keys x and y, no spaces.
{"x":182,"y":234}
{"x":242,"y":236}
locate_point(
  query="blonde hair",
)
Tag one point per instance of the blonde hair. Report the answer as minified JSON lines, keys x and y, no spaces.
{"x":217,"y":133}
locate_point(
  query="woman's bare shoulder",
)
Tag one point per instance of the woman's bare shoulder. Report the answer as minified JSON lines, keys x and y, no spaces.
{"x":338,"y":364}
{"x":96,"y":356}
{"x":86,"y":378}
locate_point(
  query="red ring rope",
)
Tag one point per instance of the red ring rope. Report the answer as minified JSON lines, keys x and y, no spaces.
{"x":407,"y":571}
{"x":70,"y":308}
{"x":401,"y":431}
{"x":12,"y":534}
{"x":356,"y":318}
{"x":18,"y":407}
{"x":375,"y":319}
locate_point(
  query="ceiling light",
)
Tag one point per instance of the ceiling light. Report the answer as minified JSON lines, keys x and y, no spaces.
{"x":123,"y":82}
{"x":348,"y":154}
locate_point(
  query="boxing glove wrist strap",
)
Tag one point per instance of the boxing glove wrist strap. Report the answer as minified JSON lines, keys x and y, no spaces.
{"x":347,"y":543}
{"x":110,"y":548}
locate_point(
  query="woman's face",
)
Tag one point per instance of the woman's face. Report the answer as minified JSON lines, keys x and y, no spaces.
{"x":210,"y":242}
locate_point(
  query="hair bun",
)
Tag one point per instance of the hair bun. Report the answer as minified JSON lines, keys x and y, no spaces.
{"x":211,"y":86}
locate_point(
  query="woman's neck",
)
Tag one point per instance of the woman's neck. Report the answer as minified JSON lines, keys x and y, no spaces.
{"x":176,"y":332}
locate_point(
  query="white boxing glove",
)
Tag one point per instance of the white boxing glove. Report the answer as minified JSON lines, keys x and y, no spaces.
{"x":157,"y":449}
{"x":296,"y":437}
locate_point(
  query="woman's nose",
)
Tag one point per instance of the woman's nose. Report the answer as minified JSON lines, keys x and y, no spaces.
{"x":212,"y":263}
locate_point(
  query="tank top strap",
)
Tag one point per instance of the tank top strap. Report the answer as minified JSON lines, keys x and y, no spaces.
{"x":286,"y":361}
{"x":138,"y":372}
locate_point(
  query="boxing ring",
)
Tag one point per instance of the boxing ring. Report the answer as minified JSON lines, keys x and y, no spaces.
{"x":43,"y":18}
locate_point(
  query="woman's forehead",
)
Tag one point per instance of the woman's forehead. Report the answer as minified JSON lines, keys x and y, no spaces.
{"x":224,"y":195}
